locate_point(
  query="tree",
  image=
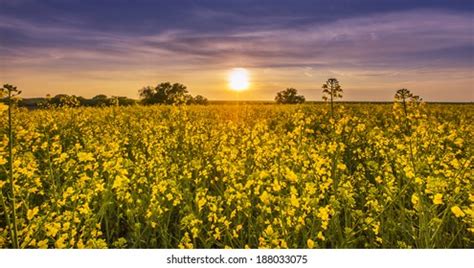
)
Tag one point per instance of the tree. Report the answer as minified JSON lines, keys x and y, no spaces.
{"x":147,"y":94}
{"x":102,"y":100}
{"x":63,"y":100}
{"x":164,"y":93}
{"x":331,"y":91}
{"x":124,"y":101}
{"x":167,"y":93}
{"x":200,"y":100}
{"x":99,"y":100}
{"x":289,"y":96}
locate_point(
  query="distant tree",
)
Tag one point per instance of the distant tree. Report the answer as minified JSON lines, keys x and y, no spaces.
{"x":45,"y":102}
{"x":147,"y":94}
{"x":63,"y":100}
{"x":102,"y":100}
{"x":124,"y":101}
{"x":113,"y":101}
{"x":167,"y":93}
{"x":164,"y":93}
{"x":187,"y":99}
{"x":99,"y":100}
{"x":332,"y":91}
{"x":83,"y":101}
{"x":289,"y":96}
{"x":200,"y":100}
{"x":404,"y":95}
{"x":100,"y":97}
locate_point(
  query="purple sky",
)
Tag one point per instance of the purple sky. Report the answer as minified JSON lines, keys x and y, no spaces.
{"x":116,"y":47}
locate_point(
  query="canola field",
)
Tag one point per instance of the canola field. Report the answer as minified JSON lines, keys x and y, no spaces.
{"x":239,"y":176}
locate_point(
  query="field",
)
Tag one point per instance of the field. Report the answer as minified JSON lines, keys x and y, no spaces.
{"x":240,"y":176}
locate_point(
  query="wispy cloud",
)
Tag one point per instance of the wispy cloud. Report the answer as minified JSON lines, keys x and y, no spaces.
{"x":368,"y":50}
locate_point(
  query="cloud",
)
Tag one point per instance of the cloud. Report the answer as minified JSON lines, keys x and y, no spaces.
{"x":348,"y":42}
{"x":364,"y":48}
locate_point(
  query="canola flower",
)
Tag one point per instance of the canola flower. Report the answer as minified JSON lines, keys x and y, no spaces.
{"x":457,"y":212}
{"x":438,"y":199}
{"x":247,"y":176}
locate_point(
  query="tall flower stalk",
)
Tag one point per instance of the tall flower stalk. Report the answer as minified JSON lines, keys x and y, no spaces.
{"x":331,"y":91}
{"x":11,"y":92}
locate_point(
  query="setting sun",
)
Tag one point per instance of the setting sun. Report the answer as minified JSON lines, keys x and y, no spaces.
{"x":239,"y":79}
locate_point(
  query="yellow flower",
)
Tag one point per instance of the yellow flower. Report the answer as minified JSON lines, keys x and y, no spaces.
{"x":378,"y":179}
{"x":217,"y":234}
{"x":438,"y":199}
{"x":80,"y":244}
{"x":60,"y":243}
{"x":291,"y":176}
{"x":341,"y":166}
{"x":83,"y":157}
{"x":414,"y":199}
{"x":276,"y":185}
{"x":120,"y":181}
{"x":269,"y":230}
{"x":3,"y":107}
{"x":409,"y":172}
{"x":263,"y":174}
{"x":310,"y":243}
{"x":31,"y":213}
{"x":43,"y":243}
{"x":323,"y":213}
{"x":294,"y":201}
{"x":194,"y":232}
{"x":458,"y":141}
{"x":52,"y":229}
{"x":201,"y":202}
{"x":265,"y":198}
{"x":457,"y":212}
{"x":321,"y":236}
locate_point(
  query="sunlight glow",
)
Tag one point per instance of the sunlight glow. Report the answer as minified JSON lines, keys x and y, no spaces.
{"x":239,"y":79}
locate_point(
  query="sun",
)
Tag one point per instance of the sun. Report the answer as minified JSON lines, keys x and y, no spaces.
{"x":239,"y":79}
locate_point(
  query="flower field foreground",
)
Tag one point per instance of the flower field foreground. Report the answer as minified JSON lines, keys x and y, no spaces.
{"x":240,"y":176}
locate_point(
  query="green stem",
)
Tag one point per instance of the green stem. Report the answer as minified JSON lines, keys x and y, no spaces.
{"x":332,"y":106}
{"x":10,"y":155}
{"x":7,"y":215}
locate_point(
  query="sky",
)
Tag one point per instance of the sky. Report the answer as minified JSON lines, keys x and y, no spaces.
{"x":116,"y":47}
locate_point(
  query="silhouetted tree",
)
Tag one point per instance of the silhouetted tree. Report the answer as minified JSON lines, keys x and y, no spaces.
{"x":167,"y":93}
{"x":331,"y":91}
{"x":83,"y":101}
{"x":164,"y":93}
{"x":200,"y":100}
{"x":124,"y":101}
{"x":147,"y":94}
{"x":63,"y":100}
{"x":102,"y":100}
{"x":99,"y":100}
{"x":44,"y":102}
{"x":289,"y":96}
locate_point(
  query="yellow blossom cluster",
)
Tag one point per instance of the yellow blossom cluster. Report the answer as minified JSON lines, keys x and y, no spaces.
{"x":240,"y":176}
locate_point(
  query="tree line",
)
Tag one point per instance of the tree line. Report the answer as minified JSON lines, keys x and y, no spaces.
{"x":177,"y":94}
{"x":64,"y":100}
